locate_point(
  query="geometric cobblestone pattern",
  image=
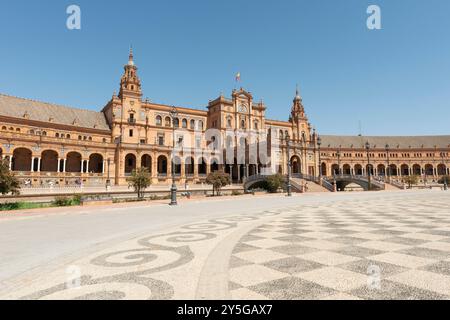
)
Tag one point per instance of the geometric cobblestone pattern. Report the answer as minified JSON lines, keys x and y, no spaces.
{"x":395,"y":247}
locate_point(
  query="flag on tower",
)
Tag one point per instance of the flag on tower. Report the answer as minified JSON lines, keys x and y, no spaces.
{"x":238,"y":76}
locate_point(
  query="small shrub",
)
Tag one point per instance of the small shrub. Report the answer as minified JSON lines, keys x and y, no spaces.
{"x":274,"y":182}
{"x":218,"y":180}
{"x":9,"y":206}
{"x":236,"y":193}
{"x":76,"y":200}
{"x":62,"y":201}
{"x":445,"y":179}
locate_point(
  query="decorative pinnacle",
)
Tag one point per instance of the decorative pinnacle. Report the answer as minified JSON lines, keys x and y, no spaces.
{"x":130,"y":57}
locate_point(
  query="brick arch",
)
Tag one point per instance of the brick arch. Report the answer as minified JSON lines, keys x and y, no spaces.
{"x":49,"y":161}
{"x":202,"y":165}
{"x":295,"y":164}
{"x":162,"y":164}
{"x":73,"y":161}
{"x":130,"y":163}
{"x":189,"y":165}
{"x":96,"y":163}
{"x":146,"y":161}
{"x":21,"y":160}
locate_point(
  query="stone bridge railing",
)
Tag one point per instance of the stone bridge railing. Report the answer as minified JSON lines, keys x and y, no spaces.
{"x":358,"y":179}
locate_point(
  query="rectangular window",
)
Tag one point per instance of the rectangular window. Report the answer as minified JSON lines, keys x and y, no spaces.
{"x":131,"y":132}
{"x":142,"y":141}
{"x":161,"y":140}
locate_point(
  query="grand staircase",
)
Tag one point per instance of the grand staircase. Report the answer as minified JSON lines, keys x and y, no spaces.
{"x":299,"y":184}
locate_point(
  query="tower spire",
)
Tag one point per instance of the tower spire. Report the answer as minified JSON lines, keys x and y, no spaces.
{"x":130,"y":57}
{"x":297,"y":94}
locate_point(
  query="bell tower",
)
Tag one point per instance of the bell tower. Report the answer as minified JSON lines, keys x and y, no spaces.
{"x":300,"y":126}
{"x":297,"y":111}
{"x":130,"y":84}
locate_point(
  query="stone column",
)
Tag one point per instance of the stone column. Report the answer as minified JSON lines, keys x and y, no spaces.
{"x":10,"y":162}
{"x":195,"y":169}
{"x":64,"y":165}
{"x":183,"y":169}
{"x":87,"y":166}
{"x":59,"y":165}
{"x":208,"y":168}
{"x":239,"y":172}
{"x":32,"y":164}
{"x":169,"y":168}
{"x":39,"y":164}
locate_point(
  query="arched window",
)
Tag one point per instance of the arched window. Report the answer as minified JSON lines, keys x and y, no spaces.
{"x":158,"y":121}
{"x":57,"y":135}
{"x":192,"y":124}
{"x":229,"y":122}
{"x":200,"y":125}
{"x":176,"y":122}
{"x":242,"y":124}
{"x":184,"y":123}
{"x":167,"y":121}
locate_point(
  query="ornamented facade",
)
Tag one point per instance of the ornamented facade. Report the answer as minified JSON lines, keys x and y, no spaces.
{"x":47,"y":144}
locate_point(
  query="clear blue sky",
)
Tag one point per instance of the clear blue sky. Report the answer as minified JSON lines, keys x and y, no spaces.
{"x":395,"y":80}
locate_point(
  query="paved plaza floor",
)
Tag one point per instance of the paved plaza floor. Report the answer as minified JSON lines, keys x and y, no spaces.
{"x":378,"y":245}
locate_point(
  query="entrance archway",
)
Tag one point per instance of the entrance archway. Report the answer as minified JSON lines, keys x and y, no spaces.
{"x":295,"y":164}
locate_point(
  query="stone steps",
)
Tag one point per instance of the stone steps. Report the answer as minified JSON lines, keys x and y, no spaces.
{"x":312,"y":186}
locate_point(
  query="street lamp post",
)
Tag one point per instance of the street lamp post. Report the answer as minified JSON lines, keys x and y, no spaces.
{"x":445,"y":173}
{"x":388,"y":171}
{"x":108,"y":179}
{"x":289,"y":193}
{"x":319,"y":143}
{"x":368,"y":164}
{"x":339,"y":160}
{"x":173,"y":188}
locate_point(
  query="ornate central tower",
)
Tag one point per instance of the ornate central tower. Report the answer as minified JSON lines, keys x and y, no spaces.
{"x":130,"y":84}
